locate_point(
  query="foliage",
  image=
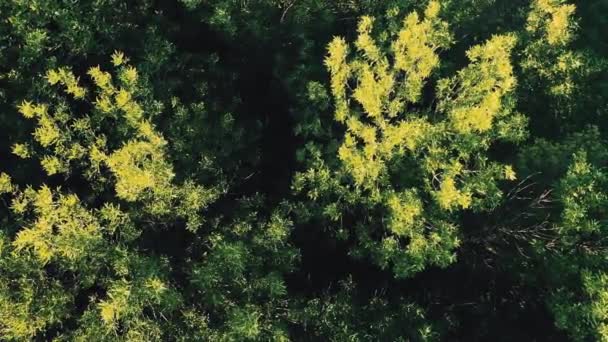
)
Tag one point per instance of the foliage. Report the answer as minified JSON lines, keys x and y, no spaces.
{"x":280,"y":170}
{"x":579,"y":302}
{"x":442,"y":147}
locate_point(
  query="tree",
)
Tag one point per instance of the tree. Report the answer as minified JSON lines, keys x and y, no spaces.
{"x":406,"y":165}
{"x":86,"y":262}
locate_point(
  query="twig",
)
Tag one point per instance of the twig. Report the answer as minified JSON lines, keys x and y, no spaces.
{"x":287,"y":9}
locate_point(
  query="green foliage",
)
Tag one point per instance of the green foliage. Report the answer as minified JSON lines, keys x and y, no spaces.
{"x":551,"y":62}
{"x":580,"y":301}
{"x":551,"y":27}
{"x":343,"y":317}
{"x":276,"y":170}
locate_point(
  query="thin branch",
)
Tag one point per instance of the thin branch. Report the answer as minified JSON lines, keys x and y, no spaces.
{"x":286,"y":10}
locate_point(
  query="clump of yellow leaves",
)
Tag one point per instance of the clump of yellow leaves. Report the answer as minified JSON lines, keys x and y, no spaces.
{"x":406,"y":212}
{"x":474,"y":97}
{"x":67,"y":79}
{"x":62,"y":229}
{"x":553,"y":19}
{"x":21,"y":150}
{"x":5,"y":183}
{"x":115,"y":145}
{"x":118,"y":58}
{"x":550,"y":26}
{"x":381,"y":127}
{"x":416,"y":48}
{"x":138,"y":166}
{"x":510,"y":173}
{"x":449,"y":197}
{"x":340,"y":71}
{"x":51,"y":134}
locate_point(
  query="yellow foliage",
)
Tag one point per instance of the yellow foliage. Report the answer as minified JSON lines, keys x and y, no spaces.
{"x":53,"y":77}
{"x":510,"y":173}
{"x":47,"y":133}
{"x":63,"y":228}
{"x":448,"y":197}
{"x":367,"y":147}
{"x":362,"y":169}
{"x":473,"y":99}
{"x":407,"y":134}
{"x":96,"y":155}
{"x":432,"y":9}
{"x":365,"y":43}
{"x":66,"y":78}
{"x":118,"y":58}
{"x":373,"y":89}
{"x":21,"y":150}
{"x":405,"y":213}
{"x":340,"y":71}
{"x":43,"y":200}
{"x":552,"y":18}
{"x":29,"y":110}
{"x":52,"y":165}
{"x":5,"y":183}
{"x":107,"y":312}
{"x":117,"y":304}
{"x":477,"y":117}
{"x":416,"y":48}
{"x":26,"y":109}
{"x":551,"y":26}
{"x":122,"y":98}
{"x":139,"y":166}
{"x":76,"y":151}
{"x":146,"y":130}
{"x":156,"y":285}
{"x":104,"y":104}
{"x":133,"y":113}
{"x":102,"y":79}
{"x":130,"y":75}
{"x":19,"y":204}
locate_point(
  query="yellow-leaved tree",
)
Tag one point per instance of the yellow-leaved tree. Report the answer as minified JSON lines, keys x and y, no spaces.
{"x":409,"y":162}
{"x":116,"y":148}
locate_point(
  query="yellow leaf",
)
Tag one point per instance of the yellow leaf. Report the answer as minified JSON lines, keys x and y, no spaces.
{"x":26,"y":109}
{"x":21,"y":150}
{"x":53,"y":77}
{"x":122,"y":98}
{"x":107,"y":312}
{"x":510,"y":173}
{"x":5,"y":183}
{"x":118,"y":58}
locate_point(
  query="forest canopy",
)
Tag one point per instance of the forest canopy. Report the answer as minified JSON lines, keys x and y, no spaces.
{"x":303,"y":170}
